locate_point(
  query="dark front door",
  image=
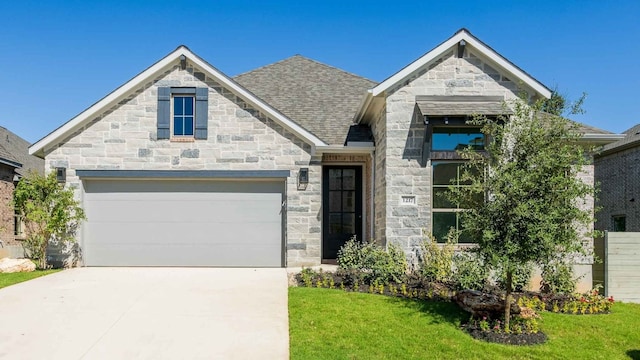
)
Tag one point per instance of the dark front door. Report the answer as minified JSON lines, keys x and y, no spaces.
{"x":342,"y":207}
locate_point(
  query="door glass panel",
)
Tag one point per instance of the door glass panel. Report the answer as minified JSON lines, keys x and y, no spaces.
{"x":349,"y":179}
{"x":349,"y":201}
{"x":335,"y":179}
{"x":349,"y":223}
{"x":334,"y":201}
{"x":335,"y":223}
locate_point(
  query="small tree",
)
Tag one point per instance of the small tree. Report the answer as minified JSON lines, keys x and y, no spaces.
{"x":530,"y":211}
{"x":50,"y":214}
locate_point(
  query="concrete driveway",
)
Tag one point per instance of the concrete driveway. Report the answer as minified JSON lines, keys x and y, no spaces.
{"x":147,"y":313}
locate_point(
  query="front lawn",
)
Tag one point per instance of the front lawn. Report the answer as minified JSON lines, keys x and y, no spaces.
{"x":333,"y":324}
{"x":14,"y":278}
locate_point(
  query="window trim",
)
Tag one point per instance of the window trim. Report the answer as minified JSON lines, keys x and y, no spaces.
{"x":165,"y":113}
{"x":455,"y":210}
{"x":173,"y":135}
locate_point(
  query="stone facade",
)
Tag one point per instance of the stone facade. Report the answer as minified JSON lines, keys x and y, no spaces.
{"x":399,"y":161}
{"x":239,"y":138}
{"x":618,"y":176}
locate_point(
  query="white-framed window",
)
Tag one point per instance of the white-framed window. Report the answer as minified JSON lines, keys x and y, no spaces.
{"x":183,"y":116}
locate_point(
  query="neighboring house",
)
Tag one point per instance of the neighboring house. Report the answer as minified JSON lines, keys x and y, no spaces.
{"x":15,"y":162}
{"x":279,"y":166}
{"x":617,"y":171}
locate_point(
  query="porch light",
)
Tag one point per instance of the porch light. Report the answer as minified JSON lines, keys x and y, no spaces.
{"x":303,"y":176}
{"x":183,"y":62}
{"x":61,"y":175}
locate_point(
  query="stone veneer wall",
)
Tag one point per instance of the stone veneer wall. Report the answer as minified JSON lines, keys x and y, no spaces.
{"x":379,"y":130}
{"x":618,"y":176}
{"x":405,"y":172}
{"x":239,"y":138}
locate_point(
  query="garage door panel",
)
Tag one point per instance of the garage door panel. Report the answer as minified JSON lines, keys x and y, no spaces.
{"x":206,"y":209}
{"x":150,"y":223}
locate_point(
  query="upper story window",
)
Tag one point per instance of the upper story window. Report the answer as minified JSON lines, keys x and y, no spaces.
{"x":453,"y":138}
{"x":182,"y":113}
{"x":183,"y":116}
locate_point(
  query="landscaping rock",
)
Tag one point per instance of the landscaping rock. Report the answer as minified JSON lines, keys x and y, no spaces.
{"x":8,"y":265}
{"x":481,"y":304}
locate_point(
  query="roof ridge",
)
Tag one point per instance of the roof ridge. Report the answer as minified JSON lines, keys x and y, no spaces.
{"x":336,"y":68}
{"x":267,"y":65}
{"x":307,"y":59}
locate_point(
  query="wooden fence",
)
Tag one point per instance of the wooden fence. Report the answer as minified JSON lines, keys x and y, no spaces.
{"x":619,"y":269}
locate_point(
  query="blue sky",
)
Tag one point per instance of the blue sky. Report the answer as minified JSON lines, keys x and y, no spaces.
{"x":60,"y":57}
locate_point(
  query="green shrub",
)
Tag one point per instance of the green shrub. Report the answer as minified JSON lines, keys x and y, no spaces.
{"x":469,"y":271}
{"x":558,"y":277}
{"x":521,"y":277}
{"x":374,"y":262}
{"x":435,"y":261}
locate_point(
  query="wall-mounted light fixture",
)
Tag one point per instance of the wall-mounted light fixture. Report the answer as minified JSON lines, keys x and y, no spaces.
{"x":303,"y":178}
{"x":61,"y":175}
{"x":183,"y":62}
{"x":461,"y":46}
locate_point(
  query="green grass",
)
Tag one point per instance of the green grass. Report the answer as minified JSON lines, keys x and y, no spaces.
{"x":332,"y":324}
{"x":14,"y":278}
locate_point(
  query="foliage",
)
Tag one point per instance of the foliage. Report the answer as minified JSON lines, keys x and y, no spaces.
{"x":558,"y":277}
{"x":9,"y":279}
{"x":469,"y":271}
{"x":520,"y":277}
{"x":524,"y":196}
{"x":375,"y":263}
{"x":345,"y":325}
{"x":435,"y":261}
{"x":590,"y":302}
{"x":50,"y":214}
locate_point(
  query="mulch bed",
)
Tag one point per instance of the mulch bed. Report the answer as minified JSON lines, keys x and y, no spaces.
{"x":509,"y":339}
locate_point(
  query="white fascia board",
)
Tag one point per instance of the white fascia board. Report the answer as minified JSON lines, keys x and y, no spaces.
{"x":472,"y":42}
{"x":256,"y":102}
{"x":339,"y":149}
{"x":364,"y":105}
{"x":602,"y":138}
{"x":119,"y":93}
{"x":113,"y":97}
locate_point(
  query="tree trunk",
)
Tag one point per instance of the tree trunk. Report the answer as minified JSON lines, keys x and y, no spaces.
{"x":43,"y":253}
{"x":507,"y":305}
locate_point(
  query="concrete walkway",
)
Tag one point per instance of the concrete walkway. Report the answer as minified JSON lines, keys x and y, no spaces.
{"x":147,"y":313}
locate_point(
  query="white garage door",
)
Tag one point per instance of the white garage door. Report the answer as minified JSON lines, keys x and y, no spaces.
{"x":183,"y":223}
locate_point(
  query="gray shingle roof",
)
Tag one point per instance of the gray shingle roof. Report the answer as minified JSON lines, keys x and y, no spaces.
{"x":321,"y":98}
{"x":632,"y":139}
{"x":17,"y":150}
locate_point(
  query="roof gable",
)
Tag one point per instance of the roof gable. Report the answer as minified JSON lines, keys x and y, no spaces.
{"x":15,"y":150}
{"x":478,"y":47}
{"x":321,"y":98}
{"x":631,"y":139}
{"x":162,"y":65}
